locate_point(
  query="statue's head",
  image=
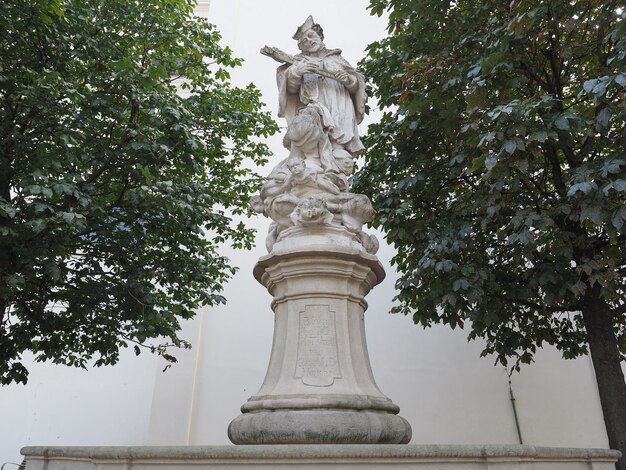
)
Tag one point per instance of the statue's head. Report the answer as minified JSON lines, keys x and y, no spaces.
{"x":310,"y":36}
{"x":296,"y":164}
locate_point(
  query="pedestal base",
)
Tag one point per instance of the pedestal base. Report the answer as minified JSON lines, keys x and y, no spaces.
{"x":319,"y":387}
{"x":326,"y":457}
{"x":319,"y":427}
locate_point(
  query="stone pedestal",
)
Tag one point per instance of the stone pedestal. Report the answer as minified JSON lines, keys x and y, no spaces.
{"x":319,"y":386}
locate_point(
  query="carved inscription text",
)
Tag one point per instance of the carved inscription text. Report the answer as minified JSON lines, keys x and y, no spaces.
{"x":318,"y":359}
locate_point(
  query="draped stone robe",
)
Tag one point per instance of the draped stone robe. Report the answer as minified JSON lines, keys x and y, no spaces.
{"x":343,"y":108}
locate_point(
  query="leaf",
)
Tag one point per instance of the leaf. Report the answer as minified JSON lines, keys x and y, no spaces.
{"x":526,"y":237}
{"x":490,"y":162}
{"x":562,"y":123}
{"x":15,"y":280}
{"x":591,"y":212}
{"x":539,"y":136}
{"x":449,"y":299}
{"x":63,"y":188}
{"x":523,"y":165}
{"x":474,"y":70}
{"x":618,"y":218}
{"x":600,"y":87}
{"x":459,"y":158}
{"x":7,"y":209}
{"x":617,"y":185}
{"x":583,"y":187}
{"x":597,"y":86}
{"x":68,"y":217}
{"x":33,"y":189}
{"x":491,"y":61}
{"x":53,"y":270}
{"x":603,"y":117}
{"x":510,"y":145}
{"x":37,"y":225}
{"x":611,"y":166}
{"x":578,"y":288}
{"x":476,"y":99}
{"x":590,"y":84}
{"x":444,"y":266}
{"x":478,"y":163}
{"x":487,"y":137}
{"x":145,"y":171}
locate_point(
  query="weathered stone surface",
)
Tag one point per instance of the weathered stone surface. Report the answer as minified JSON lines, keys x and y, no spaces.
{"x":328,"y":457}
{"x":320,"y":426}
{"x":319,"y":386}
{"x":322,"y":97}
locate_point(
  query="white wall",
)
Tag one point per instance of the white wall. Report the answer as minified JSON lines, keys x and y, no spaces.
{"x":448,"y":393}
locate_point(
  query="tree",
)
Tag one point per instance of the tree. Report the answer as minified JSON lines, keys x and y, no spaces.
{"x":121,"y":154}
{"x":498,"y":170}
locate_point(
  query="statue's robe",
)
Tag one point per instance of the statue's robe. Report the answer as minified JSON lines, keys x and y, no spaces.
{"x":343,"y":108}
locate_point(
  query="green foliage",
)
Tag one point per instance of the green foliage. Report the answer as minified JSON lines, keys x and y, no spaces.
{"x":499,"y":166}
{"x":121,"y":151}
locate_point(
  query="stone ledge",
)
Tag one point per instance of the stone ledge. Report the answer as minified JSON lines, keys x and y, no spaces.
{"x":424,"y":457}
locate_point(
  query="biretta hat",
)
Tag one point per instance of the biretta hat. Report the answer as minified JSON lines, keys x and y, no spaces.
{"x":308,"y":24}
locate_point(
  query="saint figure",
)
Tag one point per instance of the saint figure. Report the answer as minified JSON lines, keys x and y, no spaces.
{"x":341,"y":99}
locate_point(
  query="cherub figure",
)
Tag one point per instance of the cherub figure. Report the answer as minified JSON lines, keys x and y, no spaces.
{"x":303,"y":180}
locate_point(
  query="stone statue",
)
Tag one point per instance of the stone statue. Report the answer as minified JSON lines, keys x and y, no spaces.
{"x":342,"y":98}
{"x":319,"y":387}
{"x":322,"y":98}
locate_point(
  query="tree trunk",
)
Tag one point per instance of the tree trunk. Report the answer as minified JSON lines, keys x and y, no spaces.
{"x":606,"y":362}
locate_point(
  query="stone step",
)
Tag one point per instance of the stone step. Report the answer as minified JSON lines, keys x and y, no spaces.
{"x":327,"y":457}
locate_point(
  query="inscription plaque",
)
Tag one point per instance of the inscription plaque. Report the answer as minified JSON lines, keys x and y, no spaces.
{"x":318,"y":359}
